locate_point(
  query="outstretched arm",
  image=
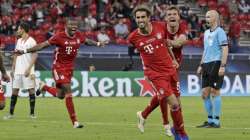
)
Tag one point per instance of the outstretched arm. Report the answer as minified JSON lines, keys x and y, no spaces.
{"x":38,"y":47}
{"x":92,"y":42}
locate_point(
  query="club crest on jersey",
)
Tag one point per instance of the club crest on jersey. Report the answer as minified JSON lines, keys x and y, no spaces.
{"x":158,"y":36}
{"x":78,"y":41}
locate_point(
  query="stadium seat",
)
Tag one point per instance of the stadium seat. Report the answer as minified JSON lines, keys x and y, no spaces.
{"x":212,"y":5}
{"x":202,"y":3}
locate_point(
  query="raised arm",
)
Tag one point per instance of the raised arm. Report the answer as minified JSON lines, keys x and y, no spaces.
{"x":36,"y":48}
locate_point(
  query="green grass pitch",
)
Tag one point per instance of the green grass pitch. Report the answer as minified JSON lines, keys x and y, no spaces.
{"x":115,"y":119}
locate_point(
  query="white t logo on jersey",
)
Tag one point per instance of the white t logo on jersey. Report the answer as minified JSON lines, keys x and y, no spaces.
{"x":68,"y":49}
{"x":149,"y":49}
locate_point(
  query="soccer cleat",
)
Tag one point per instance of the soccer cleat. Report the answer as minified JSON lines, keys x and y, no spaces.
{"x":141,"y":122}
{"x":9,"y":116}
{"x":168,"y":130}
{"x":204,"y":125}
{"x":39,"y":90}
{"x":33,"y":116}
{"x":213,"y":125}
{"x":178,"y":136}
{"x":77,"y":125}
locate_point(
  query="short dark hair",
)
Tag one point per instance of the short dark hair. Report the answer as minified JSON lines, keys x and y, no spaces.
{"x":173,"y":7}
{"x":25,"y":26}
{"x":142,"y":7}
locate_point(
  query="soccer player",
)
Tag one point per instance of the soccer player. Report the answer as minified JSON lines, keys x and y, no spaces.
{"x":5,"y":78}
{"x":67,"y":43}
{"x":212,"y":68}
{"x":176,"y":34}
{"x":149,"y":40}
{"x":23,"y":71}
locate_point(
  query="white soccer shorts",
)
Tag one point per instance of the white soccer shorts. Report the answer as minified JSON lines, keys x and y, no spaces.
{"x":20,"y":81}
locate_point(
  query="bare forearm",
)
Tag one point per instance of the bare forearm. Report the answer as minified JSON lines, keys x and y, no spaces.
{"x":38,"y":47}
{"x":91,"y":42}
{"x":1,"y":65}
{"x":224,"y":55}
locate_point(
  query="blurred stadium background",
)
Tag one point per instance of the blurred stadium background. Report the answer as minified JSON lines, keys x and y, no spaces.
{"x":116,"y":70}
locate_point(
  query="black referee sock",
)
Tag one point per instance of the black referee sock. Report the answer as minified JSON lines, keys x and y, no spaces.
{"x":32,"y":103}
{"x":13,"y":103}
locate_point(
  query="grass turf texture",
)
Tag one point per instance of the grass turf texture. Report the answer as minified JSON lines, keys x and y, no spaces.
{"x":115,"y":119}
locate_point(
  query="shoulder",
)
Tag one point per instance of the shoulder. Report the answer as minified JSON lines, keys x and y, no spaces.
{"x":206,"y":32}
{"x":221,"y":30}
{"x":32,"y":40}
{"x":133,"y":34}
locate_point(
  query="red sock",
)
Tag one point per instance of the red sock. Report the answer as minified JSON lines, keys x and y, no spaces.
{"x":178,"y":120}
{"x":51,"y":90}
{"x":70,"y":106}
{"x":164,"y":110}
{"x":153,"y":104}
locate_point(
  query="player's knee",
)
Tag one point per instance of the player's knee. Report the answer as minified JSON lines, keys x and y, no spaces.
{"x":175,"y":107}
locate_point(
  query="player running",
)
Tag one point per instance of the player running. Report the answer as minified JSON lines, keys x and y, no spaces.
{"x":150,"y":40}
{"x":67,"y":43}
{"x":176,"y":38}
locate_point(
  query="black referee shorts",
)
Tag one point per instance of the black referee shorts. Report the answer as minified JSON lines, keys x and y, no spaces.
{"x":210,"y":77}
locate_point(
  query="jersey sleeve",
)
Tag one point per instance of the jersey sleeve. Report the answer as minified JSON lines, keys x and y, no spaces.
{"x":222,"y":38}
{"x":82,"y":38}
{"x":54,"y":40}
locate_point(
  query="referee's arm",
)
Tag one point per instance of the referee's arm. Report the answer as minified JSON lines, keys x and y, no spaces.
{"x":224,"y":55}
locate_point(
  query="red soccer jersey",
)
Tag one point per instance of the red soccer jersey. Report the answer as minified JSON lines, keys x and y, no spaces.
{"x":67,"y":47}
{"x":153,"y":50}
{"x":178,"y":51}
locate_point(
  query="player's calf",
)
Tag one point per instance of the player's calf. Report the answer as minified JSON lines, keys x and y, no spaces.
{"x":2,"y":105}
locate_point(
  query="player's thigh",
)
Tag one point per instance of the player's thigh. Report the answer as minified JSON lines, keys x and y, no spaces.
{"x":206,"y":92}
{"x":29,"y":82}
{"x":66,"y":88}
{"x":175,"y":85}
{"x":215,"y":92}
{"x":17,"y":81}
{"x":15,"y":91}
{"x":163,"y":87}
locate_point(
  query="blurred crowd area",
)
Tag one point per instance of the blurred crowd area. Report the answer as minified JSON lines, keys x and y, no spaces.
{"x":111,"y":20}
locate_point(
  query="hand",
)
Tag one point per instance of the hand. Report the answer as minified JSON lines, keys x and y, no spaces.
{"x":5,"y":77}
{"x":27,"y":73}
{"x":18,"y":52}
{"x":221,"y":71}
{"x":102,"y":44}
{"x":176,"y":64}
{"x":199,"y":70}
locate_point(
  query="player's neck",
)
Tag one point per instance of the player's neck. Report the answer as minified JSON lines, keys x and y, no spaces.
{"x":147,"y":30}
{"x":173,"y":29}
{"x":67,"y":33}
{"x":213,"y":27}
{"x":25,"y":36}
